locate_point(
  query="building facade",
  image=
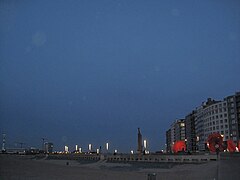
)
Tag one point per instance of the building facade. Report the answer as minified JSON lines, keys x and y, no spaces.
{"x":190,"y":131}
{"x":168,"y":141}
{"x":175,"y":133}
{"x":233,"y":106}
{"x":180,"y":131}
{"x":212,"y":116}
{"x":216,"y":120}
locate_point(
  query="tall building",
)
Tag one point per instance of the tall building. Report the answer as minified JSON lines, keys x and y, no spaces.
{"x":216,"y":120}
{"x":140,"y":148}
{"x":180,"y":133}
{"x":210,"y":117}
{"x":168,"y":141}
{"x":190,"y":131}
{"x":48,"y":147}
{"x":199,"y":124}
{"x":233,"y":103}
{"x":175,"y":133}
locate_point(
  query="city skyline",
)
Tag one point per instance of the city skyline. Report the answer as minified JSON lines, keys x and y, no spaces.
{"x":80,"y":72}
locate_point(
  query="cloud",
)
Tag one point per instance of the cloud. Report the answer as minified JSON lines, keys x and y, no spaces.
{"x":175,"y":12}
{"x":39,"y":39}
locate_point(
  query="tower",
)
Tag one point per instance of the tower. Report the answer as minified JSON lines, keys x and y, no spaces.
{"x":139,"y":149}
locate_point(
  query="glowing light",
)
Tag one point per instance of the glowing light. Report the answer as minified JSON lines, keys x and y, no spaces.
{"x":107,"y":146}
{"x":80,"y":150}
{"x":66,"y":149}
{"x":90,"y":147}
{"x":182,"y":124}
{"x":179,"y":146}
{"x":97,"y":151}
{"x":76,"y":147}
{"x":115,"y":151}
{"x":197,"y":138}
{"x":237,"y":150}
{"x":145,"y":144}
{"x":131,"y":151}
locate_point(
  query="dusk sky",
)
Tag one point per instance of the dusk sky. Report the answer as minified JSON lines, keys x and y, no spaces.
{"x":93,"y":71}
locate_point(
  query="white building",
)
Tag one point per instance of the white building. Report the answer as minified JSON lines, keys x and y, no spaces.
{"x":216,"y":120}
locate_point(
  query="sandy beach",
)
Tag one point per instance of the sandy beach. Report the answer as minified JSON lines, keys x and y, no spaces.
{"x":28,"y":167}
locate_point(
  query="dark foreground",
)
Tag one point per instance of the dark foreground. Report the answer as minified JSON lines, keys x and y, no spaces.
{"x":27,"y":167}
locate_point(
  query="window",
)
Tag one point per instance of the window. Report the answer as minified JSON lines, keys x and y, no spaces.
{"x":226,"y":126}
{"x":225,"y":114}
{"x":233,"y":121}
{"x":221,"y":121}
{"x":217,"y":127}
{"x":221,"y":126}
{"x":221,"y":115}
{"x":225,"y":120}
{"x":216,"y":116}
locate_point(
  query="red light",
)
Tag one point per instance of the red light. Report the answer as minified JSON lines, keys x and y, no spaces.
{"x":179,"y":146}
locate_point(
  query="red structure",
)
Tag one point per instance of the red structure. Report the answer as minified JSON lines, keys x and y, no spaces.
{"x":179,"y":146}
{"x":215,"y":142}
{"x":239,"y":145}
{"x":231,"y":145}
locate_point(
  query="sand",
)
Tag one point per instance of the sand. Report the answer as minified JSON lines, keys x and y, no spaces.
{"x":27,"y":167}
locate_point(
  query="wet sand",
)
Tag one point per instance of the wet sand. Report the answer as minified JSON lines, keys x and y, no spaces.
{"x":27,"y":167}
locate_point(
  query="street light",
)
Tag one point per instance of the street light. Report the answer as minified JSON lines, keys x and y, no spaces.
{"x":107,"y":146}
{"x":145,"y":144}
{"x":66,"y":149}
{"x":90,"y":147}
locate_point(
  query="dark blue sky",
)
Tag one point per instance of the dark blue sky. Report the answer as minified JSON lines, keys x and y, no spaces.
{"x":90,"y":71}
